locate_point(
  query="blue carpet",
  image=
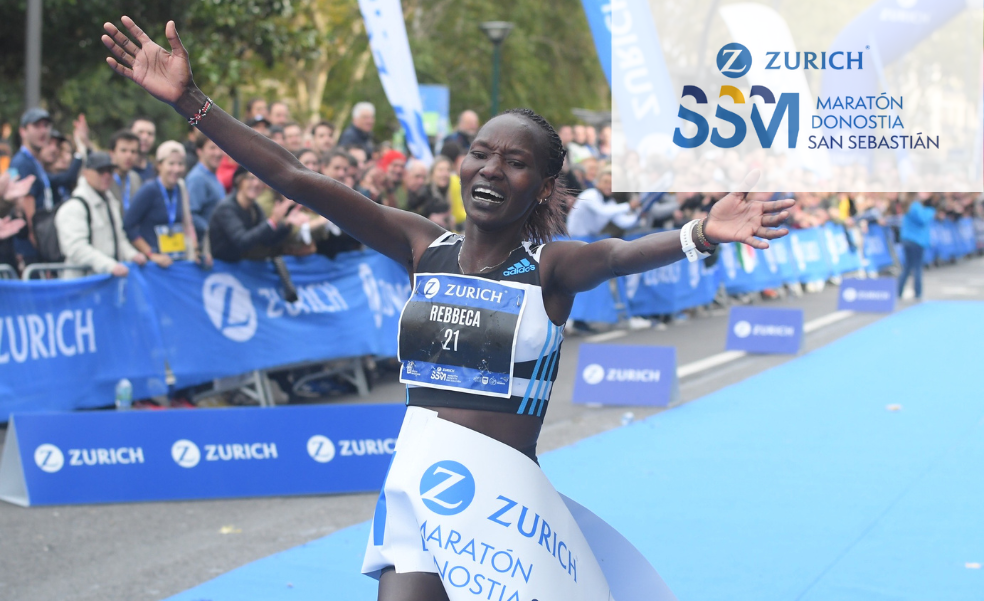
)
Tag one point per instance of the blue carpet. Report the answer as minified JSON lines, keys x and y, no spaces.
{"x":796,"y":484}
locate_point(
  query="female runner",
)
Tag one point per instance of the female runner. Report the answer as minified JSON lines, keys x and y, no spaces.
{"x":508,"y":182}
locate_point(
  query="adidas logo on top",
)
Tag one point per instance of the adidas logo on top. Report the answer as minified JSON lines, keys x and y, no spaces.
{"x":523,"y":266}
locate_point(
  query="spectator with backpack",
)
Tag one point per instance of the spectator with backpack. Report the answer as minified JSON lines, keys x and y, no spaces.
{"x":90,"y":224}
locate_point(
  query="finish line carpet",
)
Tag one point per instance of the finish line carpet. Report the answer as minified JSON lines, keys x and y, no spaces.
{"x":855,"y":472}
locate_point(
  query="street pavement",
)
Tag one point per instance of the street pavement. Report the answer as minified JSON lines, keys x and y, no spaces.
{"x":149,"y":551}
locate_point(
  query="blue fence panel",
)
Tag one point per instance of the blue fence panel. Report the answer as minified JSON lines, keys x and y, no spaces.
{"x":966,"y":237}
{"x":842,"y":252}
{"x":808,"y":248}
{"x":945,"y":246}
{"x":745,"y":269}
{"x":599,"y":304}
{"x":233,"y":318}
{"x":876,"y":251}
{"x":65,"y":344}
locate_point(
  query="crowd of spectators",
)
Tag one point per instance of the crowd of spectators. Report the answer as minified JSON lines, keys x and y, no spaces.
{"x":139,"y":201}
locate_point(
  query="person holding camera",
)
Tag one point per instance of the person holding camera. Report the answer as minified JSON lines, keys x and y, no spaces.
{"x":239,"y":229}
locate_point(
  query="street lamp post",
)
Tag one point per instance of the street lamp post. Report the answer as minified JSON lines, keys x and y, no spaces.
{"x":496,"y":32}
{"x":32,"y":62}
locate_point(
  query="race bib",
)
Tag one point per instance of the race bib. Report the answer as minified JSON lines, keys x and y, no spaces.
{"x":170,"y":240}
{"x":458,"y":332}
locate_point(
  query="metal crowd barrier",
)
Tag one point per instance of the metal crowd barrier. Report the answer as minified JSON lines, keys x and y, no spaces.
{"x":8,"y":273}
{"x":42,"y":268}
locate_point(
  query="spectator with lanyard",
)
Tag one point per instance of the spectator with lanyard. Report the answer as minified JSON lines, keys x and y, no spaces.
{"x":124,"y":150}
{"x":159,"y":221}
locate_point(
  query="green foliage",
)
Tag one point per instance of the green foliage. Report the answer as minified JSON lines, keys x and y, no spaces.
{"x":311,"y":52}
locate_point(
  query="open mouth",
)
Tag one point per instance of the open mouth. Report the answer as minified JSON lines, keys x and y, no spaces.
{"x":487,"y":194}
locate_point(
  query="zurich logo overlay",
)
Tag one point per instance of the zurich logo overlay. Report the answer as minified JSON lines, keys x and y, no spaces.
{"x":186,"y":453}
{"x":229,"y":307}
{"x":447,"y":488}
{"x":593,"y":374}
{"x":734,"y":60}
{"x":850,"y":295}
{"x":49,"y":458}
{"x":431,"y":288}
{"x":743,"y":329}
{"x":321,"y":448}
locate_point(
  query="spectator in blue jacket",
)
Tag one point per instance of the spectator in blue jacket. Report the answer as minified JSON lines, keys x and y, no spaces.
{"x":915,"y":240}
{"x":205,"y":191}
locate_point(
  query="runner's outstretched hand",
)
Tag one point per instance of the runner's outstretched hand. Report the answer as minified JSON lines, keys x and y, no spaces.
{"x":165,"y":75}
{"x":734,"y":218}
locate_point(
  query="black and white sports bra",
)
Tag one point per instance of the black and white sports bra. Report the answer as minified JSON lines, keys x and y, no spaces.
{"x":480,"y":341}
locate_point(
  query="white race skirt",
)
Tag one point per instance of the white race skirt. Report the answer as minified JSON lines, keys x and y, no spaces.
{"x":485,"y":519}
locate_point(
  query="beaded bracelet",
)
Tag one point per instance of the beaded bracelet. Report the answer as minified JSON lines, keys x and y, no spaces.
{"x":701,"y":239}
{"x":197,"y":117}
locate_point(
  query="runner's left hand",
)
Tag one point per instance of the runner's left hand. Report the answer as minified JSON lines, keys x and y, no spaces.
{"x":734,"y":218}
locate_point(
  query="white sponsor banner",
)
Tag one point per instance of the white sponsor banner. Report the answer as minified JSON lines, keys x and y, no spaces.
{"x":391,"y":52}
{"x":486,"y":520}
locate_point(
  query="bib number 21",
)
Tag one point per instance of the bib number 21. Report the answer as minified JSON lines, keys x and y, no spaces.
{"x":450,"y":338}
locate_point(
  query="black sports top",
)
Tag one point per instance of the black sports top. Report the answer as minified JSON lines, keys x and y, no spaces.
{"x":480,"y":341}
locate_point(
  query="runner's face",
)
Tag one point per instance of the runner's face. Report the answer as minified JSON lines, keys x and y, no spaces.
{"x":500,"y":177}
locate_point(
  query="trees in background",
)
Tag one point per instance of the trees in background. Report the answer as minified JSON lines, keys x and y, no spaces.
{"x":314,"y":53}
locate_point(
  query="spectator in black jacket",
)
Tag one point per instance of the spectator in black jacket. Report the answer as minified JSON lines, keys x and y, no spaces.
{"x":238,"y":228}
{"x":359,"y":133}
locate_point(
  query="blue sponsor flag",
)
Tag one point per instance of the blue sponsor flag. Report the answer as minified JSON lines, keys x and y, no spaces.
{"x":641,"y":84}
{"x":599,"y":13}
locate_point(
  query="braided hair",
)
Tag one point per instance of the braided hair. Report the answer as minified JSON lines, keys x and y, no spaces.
{"x":549,"y":217}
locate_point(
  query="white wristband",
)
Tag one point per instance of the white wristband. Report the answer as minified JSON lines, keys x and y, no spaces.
{"x":687,"y":242}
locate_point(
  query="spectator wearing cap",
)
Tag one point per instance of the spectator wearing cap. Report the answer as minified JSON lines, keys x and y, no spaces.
{"x":359,"y":132}
{"x":159,"y":220}
{"x":90,"y":224}
{"x":146,"y":132}
{"x":323,"y":137}
{"x":468,"y":126}
{"x":205,"y":192}
{"x":65,"y":160}
{"x":124,"y":150}
{"x":279,"y":114}
{"x":239,"y":229}
{"x":392,"y":165}
{"x":35,"y":133}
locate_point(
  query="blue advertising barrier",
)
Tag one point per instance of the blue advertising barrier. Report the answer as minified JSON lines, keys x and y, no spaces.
{"x":233,"y":318}
{"x":618,"y":374}
{"x":766,"y":331}
{"x":597,"y":304}
{"x":745,"y":269}
{"x":809,"y":250}
{"x":876,"y":252}
{"x":113,"y":457}
{"x":842,"y":253}
{"x":669,"y":289}
{"x":875,"y":295}
{"x":67,"y":343}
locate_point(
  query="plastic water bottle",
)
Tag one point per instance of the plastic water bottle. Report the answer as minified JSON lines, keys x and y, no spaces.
{"x":627,"y":418}
{"x":124,"y":395}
